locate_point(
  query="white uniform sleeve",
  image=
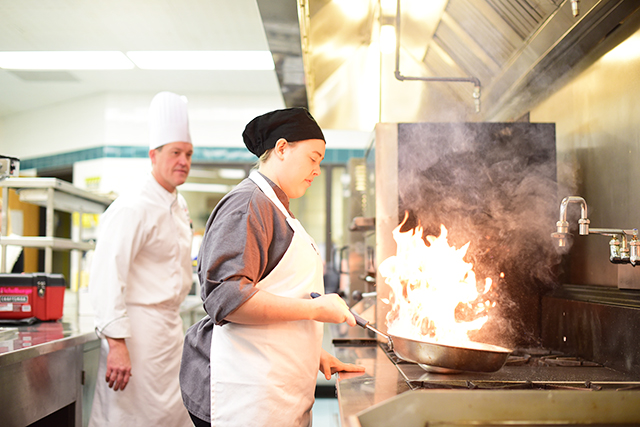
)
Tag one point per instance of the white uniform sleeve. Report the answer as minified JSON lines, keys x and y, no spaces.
{"x":120,"y":237}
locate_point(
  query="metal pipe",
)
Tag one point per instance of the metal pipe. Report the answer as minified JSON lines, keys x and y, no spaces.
{"x":399,"y":76}
{"x":574,"y":8}
{"x":328,"y":179}
{"x":49,"y":231}
{"x":5,"y":227}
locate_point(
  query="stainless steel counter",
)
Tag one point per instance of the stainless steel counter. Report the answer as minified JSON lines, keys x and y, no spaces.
{"x":356,"y":391}
{"x":382,"y":397}
{"x":381,"y":380}
{"x":19,"y":343}
{"x":47,"y":369}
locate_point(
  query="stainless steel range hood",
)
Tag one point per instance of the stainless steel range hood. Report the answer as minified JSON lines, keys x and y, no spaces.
{"x":280,"y":21}
{"x":518,"y":49}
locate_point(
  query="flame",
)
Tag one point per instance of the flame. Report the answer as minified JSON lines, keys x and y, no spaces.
{"x":431,"y":288}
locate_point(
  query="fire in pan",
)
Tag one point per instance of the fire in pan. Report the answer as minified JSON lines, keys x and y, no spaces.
{"x":441,"y":358}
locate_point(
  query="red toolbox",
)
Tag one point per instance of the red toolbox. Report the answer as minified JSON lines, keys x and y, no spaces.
{"x":25,"y":295}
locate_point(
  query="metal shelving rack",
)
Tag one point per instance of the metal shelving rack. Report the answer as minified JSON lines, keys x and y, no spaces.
{"x":54,"y":195}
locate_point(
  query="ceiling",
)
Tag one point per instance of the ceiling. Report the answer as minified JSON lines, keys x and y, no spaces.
{"x":517,"y":49}
{"x":126,"y":25}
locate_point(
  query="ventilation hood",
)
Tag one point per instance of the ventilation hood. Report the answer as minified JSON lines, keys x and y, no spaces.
{"x":517,"y":49}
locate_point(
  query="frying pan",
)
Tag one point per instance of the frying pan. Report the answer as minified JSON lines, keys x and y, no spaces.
{"x":442,"y":358}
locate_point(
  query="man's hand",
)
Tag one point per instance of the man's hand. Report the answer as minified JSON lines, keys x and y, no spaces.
{"x":118,"y":364}
{"x":330,"y":365}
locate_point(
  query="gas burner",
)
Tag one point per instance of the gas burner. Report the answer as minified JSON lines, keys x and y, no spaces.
{"x":544,"y":357}
{"x":525,"y":369}
{"x":504,"y":385}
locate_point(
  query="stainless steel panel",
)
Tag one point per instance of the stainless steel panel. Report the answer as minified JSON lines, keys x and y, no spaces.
{"x":91,"y":360}
{"x":597,"y":323}
{"x":386,"y":207}
{"x":37,"y":387}
{"x":628,"y":277}
{"x":515,"y":407}
{"x":359,"y":392}
{"x":41,"y":369}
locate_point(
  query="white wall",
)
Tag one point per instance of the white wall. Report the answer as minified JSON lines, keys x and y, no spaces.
{"x":121,"y":119}
{"x":63,"y":127}
{"x":110,"y":175}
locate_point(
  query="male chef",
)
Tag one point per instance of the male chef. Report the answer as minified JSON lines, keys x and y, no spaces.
{"x":141,"y":273}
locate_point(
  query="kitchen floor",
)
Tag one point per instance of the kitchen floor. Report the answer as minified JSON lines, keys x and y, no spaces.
{"x":326,"y":413}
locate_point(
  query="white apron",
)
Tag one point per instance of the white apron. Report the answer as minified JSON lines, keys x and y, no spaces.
{"x":152,"y":396}
{"x":266,"y":375}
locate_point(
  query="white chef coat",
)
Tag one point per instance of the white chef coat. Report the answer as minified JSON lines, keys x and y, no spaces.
{"x":140,"y":274}
{"x":265,"y":375}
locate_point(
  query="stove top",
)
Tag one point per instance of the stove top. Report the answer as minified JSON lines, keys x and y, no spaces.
{"x":525,"y":368}
{"x":536,"y":387}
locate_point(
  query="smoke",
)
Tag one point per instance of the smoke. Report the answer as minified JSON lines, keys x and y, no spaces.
{"x":493,"y":185}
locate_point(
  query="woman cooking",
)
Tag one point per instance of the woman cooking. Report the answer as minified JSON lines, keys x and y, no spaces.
{"x":254,"y":359}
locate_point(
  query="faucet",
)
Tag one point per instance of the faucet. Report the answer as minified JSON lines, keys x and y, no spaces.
{"x":621,"y":249}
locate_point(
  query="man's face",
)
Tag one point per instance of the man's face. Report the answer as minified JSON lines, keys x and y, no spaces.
{"x":171,"y":164}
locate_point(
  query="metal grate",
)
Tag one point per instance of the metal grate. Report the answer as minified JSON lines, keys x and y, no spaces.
{"x":481,"y":36}
{"x":461,"y":53}
{"x":486,"y":29}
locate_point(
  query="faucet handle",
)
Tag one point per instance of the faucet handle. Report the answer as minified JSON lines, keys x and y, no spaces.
{"x":615,"y":253}
{"x":634,"y":257}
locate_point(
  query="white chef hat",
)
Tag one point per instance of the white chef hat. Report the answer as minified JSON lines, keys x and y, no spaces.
{"x":168,"y":120}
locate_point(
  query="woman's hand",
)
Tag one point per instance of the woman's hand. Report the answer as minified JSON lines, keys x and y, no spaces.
{"x":331,"y":308}
{"x":329,"y":365}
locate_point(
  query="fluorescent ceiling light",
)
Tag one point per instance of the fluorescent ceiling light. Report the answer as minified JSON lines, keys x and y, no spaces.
{"x":202,"y":60}
{"x":65,"y":60}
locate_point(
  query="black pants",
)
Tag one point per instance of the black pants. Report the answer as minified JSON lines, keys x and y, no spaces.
{"x":198,"y":422}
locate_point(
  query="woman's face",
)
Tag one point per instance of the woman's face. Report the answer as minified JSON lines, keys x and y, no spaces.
{"x":300,"y":165}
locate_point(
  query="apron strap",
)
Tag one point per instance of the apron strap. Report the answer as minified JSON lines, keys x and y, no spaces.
{"x":293,"y":223}
{"x":268,"y":190}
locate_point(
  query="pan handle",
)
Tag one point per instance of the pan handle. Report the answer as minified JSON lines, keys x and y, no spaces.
{"x":361,"y":321}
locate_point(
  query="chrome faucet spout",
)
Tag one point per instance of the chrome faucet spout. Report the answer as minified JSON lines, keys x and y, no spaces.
{"x":562,"y":226}
{"x":584,"y":218}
